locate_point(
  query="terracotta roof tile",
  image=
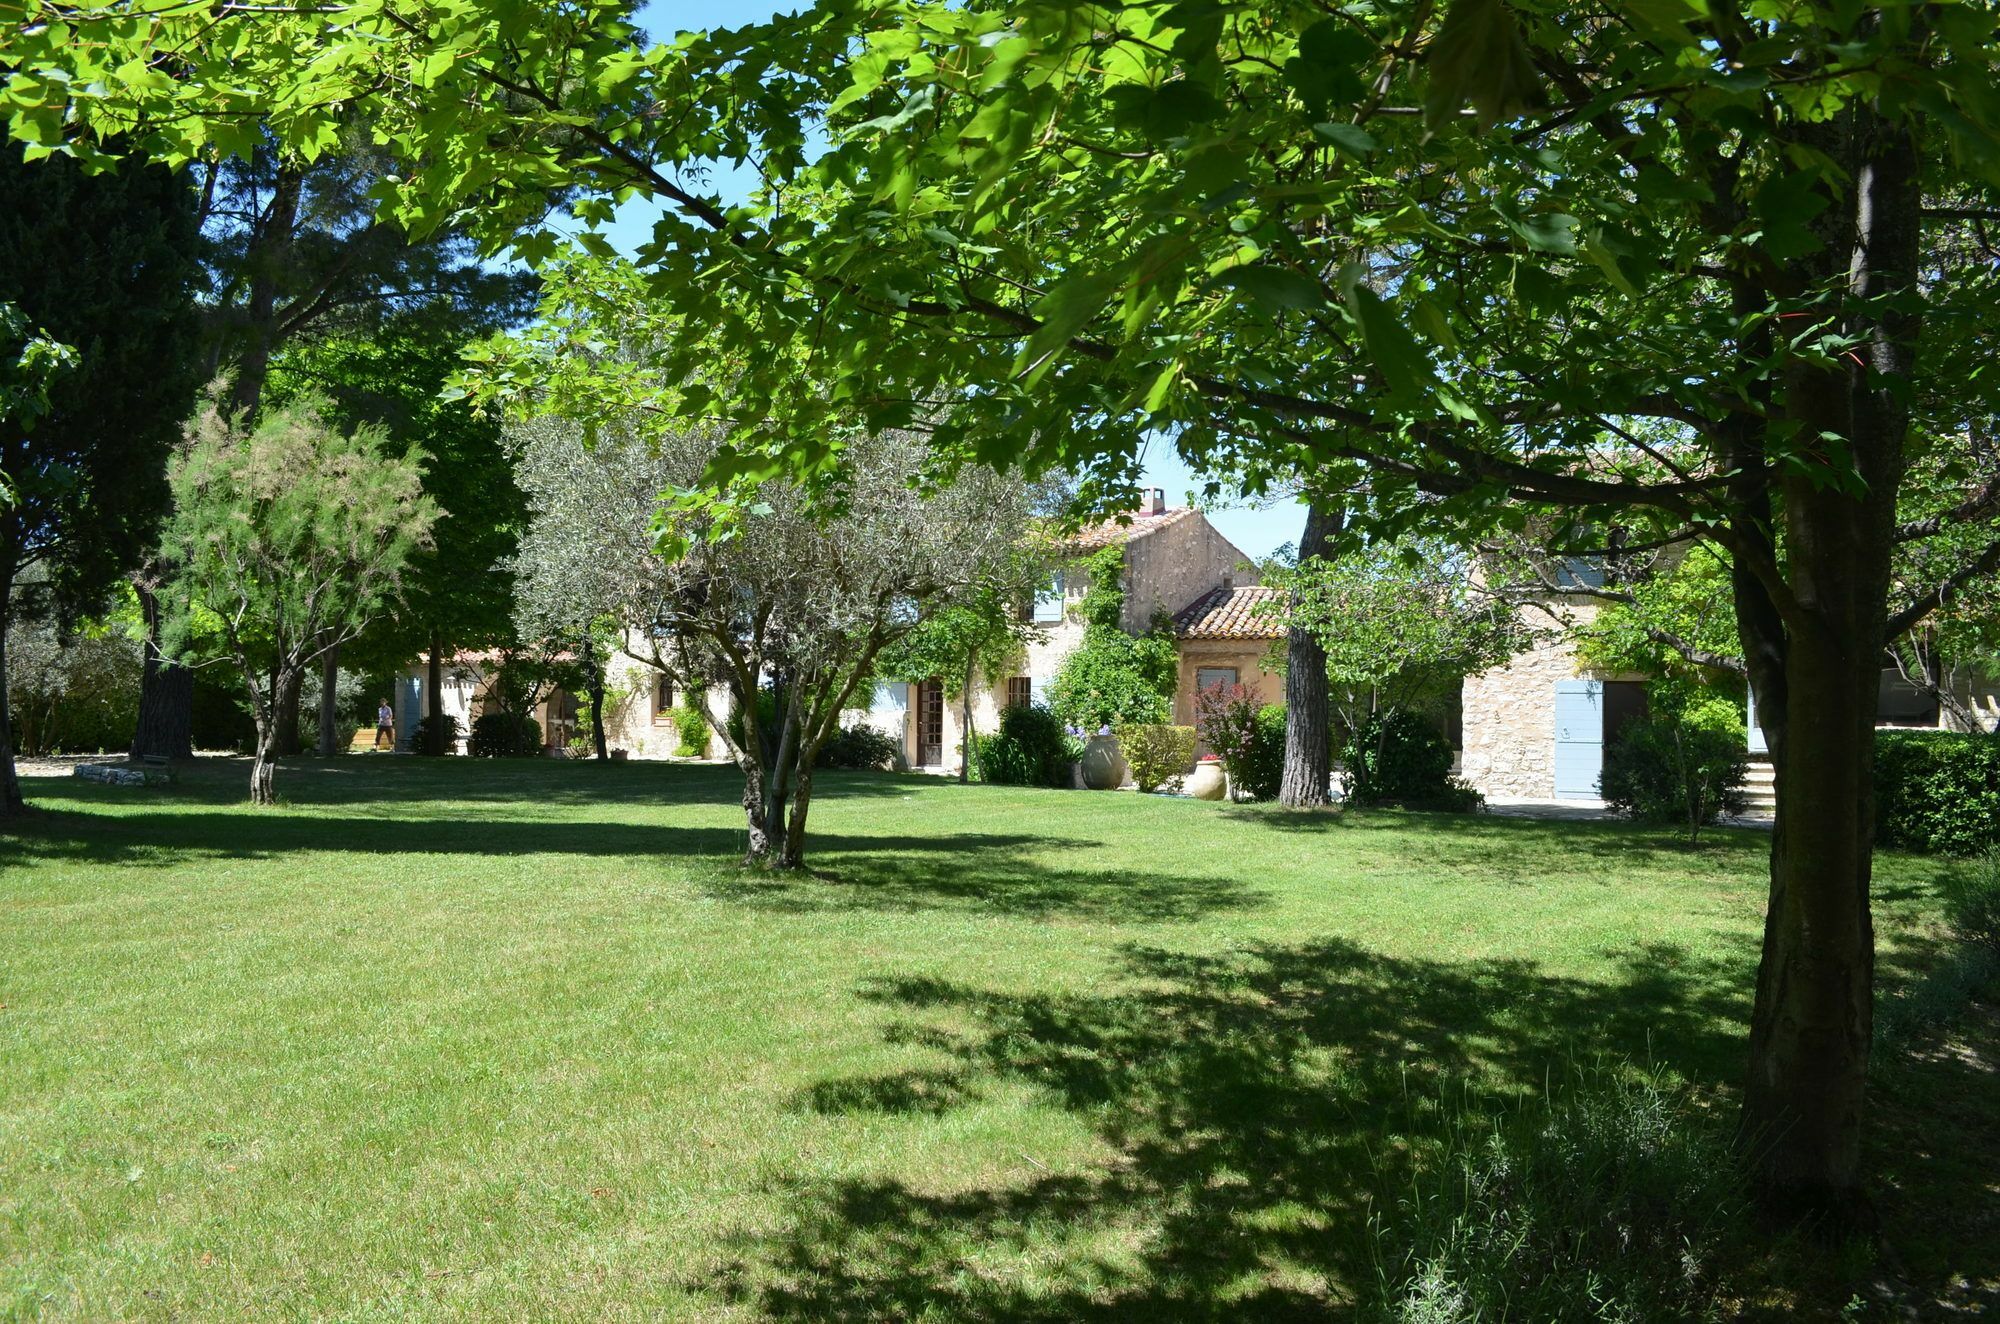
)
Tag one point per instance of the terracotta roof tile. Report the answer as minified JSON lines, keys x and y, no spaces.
{"x":1134,"y":525}
{"x":1230,"y":613}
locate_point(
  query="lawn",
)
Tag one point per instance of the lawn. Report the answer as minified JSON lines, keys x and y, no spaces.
{"x":451,"y":1040}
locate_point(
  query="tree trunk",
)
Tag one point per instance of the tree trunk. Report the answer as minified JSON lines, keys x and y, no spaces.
{"x":794,"y":856}
{"x":12,"y":803}
{"x":270,"y":727}
{"x":270,"y":259}
{"x":1308,"y":771}
{"x":1813,"y":1021}
{"x":329,"y":702}
{"x":764,"y":811}
{"x":964,"y":728}
{"x":437,"y":741}
{"x":165,"y":729}
{"x":288,"y":720}
{"x":596,"y":687}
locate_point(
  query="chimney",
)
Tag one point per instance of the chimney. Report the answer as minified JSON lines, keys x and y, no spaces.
{"x":1153,"y":501}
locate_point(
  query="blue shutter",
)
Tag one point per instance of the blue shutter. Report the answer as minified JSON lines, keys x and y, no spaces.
{"x":1580,"y":572}
{"x":1049,"y":603}
{"x":1758,"y":745}
{"x":1579,"y":738}
{"x":1038,"y":690}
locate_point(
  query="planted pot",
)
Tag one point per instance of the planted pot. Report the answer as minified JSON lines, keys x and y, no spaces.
{"x":1103,"y":767}
{"x":1206,"y":782}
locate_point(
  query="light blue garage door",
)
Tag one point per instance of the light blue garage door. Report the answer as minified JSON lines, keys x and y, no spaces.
{"x":1579,"y":738}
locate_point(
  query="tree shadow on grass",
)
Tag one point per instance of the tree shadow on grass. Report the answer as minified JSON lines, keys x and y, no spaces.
{"x":392,"y":779}
{"x":974,"y":872}
{"x":1470,"y":833}
{"x":1260,"y":1104}
{"x":991,"y":873}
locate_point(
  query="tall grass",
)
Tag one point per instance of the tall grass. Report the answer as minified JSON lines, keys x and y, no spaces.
{"x":1610,"y":1197}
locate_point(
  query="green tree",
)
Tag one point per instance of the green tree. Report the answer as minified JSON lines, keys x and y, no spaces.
{"x":286,"y":538}
{"x":982,"y":634}
{"x":786,"y":607}
{"x":308,"y":282}
{"x":458,"y":592}
{"x":1113,"y":677}
{"x":104,"y":266}
{"x":1709,"y":270}
{"x":1398,"y":626}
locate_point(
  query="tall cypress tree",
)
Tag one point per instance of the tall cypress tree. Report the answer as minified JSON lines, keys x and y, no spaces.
{"x":106,"y":264}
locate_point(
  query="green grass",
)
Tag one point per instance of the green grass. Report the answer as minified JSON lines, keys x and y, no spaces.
{"x":449,"y":1040}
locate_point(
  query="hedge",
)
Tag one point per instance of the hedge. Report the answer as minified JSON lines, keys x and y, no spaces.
{"x":1937,"y":791}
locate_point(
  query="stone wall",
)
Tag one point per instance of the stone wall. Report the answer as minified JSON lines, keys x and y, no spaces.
{"x":1509,"y":714}
{"x":1248,"y":656}
{"x":1175,"y":564}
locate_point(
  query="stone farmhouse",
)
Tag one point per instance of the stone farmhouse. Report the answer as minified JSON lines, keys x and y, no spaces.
{"x":1537,"y":728}
{"x":1176,"y":564}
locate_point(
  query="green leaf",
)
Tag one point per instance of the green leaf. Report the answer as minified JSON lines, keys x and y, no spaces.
{"x":1479,"y":54}
{"x":1785,"y":207}
{"x":1275,"y":289}
{"x":1327,"y":69}
{"x":1349,"y":138}
{"x":1398,"y":355}
{"x":1551,"y":232}
{"x":1063,"y":312}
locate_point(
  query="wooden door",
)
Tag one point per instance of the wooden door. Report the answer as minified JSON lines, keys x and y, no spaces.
{"x":930,"y":724}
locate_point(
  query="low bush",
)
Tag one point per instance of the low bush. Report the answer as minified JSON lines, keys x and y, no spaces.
{"x":1030,"y":749}
{"x":1397,"y":757}
{"x":1263,"y":770}
{"x":420,"y":739}
{"x":1972,"y":903}
{"x":860,"y":747}
{"x":1158,"y":755}
{"x":499,"y":735}
{"x":691,"y":731}
{"x":1682,"y":764}
{"x":1609,"y":1199}
{"x":1937,"y":791}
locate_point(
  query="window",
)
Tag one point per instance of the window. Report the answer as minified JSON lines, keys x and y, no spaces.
{"x":1209,"y":677}
{"x":1020,"y":691}
{"x":1580,"y":572}
{"x":663,"y":700}
{"x":1049,"y":603}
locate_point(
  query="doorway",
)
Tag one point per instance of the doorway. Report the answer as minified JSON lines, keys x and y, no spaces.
{"x":930,"y":724}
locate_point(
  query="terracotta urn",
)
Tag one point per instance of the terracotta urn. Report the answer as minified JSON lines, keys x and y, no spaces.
{"x":1206,"y":782}
{"x":1103,"y":766}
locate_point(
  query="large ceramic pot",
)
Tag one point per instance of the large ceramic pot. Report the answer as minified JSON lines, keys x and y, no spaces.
{"x":1206,"y":782}
{"x":1103,"y":767}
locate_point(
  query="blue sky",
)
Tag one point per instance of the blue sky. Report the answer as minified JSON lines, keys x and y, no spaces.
{"x":1256,"y":532}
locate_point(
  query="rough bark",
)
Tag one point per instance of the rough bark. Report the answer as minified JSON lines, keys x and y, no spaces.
{"x":12,"y":803}
{"x":263,"y":766}
{"x":1308,"y":772}
{"x":165,"y":728}
{"x":793,"y":855}
{"x":965,"y":726}
{"x":437,"y":742}
{"x":1812,"y":1023}
{"x":269,"y":259}
{"x":595,"y":686}
{"x":288,"y":743}
{"x":329,"y":703}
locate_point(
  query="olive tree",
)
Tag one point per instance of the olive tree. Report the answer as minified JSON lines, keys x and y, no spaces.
{"x":785,"y":603}
{"x":286,"y":539}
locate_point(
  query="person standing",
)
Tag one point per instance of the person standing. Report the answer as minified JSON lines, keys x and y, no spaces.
{"x":385,"y":724}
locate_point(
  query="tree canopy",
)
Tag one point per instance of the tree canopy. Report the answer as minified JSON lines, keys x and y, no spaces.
{"x":1716,"y":271}
{"x":287,"y":536}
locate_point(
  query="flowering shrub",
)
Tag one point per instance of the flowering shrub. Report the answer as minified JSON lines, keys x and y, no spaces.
{"x":1225,"y":716}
